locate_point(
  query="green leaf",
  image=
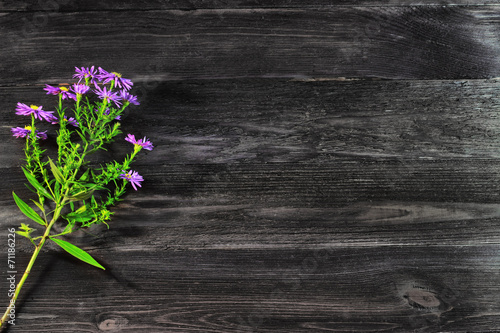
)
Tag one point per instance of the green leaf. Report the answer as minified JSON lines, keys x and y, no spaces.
{"x":24,"y":234}
{"x":27,"y":210}
{"x":82,"y":195}
{"x":26,"y":227}
{"x":37,"y":185}
{"x":38,"y":205}
{"x":81,"y":210}
{"x":56,"y":172}
{"x":82,"y":136}
{"x":26,"y":231}
{"x":85,"y":176}
{"x":80,"y":216}
{"x":77,"y":252}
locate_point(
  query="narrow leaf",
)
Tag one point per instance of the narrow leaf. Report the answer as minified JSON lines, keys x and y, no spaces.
{"x":56,"y":172}
{"x":77,"y":252}
{"x":80,"y":217}
{"x":83,"y":195}
{"x":82,"y":136}
{"x":81,"y":210}
{"x":38,"y":205}
{"x":23,"y":233}
{"x":36,"y":184}
{"x":27,"y":210}
{"x":69,"y":228}
{"x":26,"y":227}
{"x":85,"y":176}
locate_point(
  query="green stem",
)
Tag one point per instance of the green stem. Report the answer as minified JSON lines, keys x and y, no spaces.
{"x":31,"y":263}
{"x":57,"y":212}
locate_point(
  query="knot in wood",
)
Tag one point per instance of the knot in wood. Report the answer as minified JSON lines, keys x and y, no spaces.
{"x":422,"y":299}
{"x":112,"y":324}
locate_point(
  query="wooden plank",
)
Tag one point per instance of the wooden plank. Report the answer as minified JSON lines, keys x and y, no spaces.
{"x":284,"y":206}
{"x":427,"y":42}
{"x":267,"y":208}
{"x":390,"y":289}
{"x":93,"y":5}
{"x":306,"y":206}
{"x":228,"y":151}
{"x":271,"y":247}
{"x":262,"y":121}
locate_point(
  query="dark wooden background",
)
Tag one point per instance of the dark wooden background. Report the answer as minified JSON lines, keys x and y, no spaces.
{"x":329,"y":166}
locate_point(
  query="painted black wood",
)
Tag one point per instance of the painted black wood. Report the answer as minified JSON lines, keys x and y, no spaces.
{"x":279,"y":290}
{"x":286,"y":206}
{"x":403,"y":42}
{"x":187,"y":5}
{"x":296,"y":121}
{"x":291,"y":189}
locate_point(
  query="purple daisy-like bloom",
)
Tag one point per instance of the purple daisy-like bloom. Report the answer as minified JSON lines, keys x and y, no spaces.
{"x":144,"y":143}
{"x":125,"y":96}
{"x":59,"y":90}
{"x":20,"y":132}
{"x":24,"y":110}
{"x":52,"y":90}
{"x":72,"y":121}
{"x":80,"y":89}
{"x":117,"y":78}
{"x":133,"y":177}
{"x":85,"y":74}
{"x":108,"y":95}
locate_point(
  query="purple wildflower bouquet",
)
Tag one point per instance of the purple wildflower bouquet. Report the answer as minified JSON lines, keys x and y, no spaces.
{"x":71,"y":192}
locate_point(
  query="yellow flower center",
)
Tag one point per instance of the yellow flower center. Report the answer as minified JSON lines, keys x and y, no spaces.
{"x":128,"y":176}
{"x":27,"y":127}
{"x":116,"y":74}
{"x":34,"y":107}
{"x":63,"y":88}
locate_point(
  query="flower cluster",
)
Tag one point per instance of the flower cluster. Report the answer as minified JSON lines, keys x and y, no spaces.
{"x":97,"y":79}
{"x":70,"y":189}
{"x":111,"y":91}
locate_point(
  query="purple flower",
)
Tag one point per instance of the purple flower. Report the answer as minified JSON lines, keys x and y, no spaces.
{"x":20,"y":132}
{"x":52,"y":90}
{"x":125,"y":96}
{"x":117,"y":78}
{"x":79,"y":89}
{"x":24,"y":110}
{"x":143,"y":143}
{"x":72,"y":121}
{"x":58,"y":90}
{"x":107,"y":95}
{"x":86,"y":74}
{"x":133,"y":177}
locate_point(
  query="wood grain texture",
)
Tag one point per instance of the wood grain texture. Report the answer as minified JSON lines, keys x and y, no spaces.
{"x":292,"y":188}
{"x":426,"y":42}
{"x":284,"y":206}
{"x":297,"y":121}
{"x":187,"y":5}
{"x":391,"y":289}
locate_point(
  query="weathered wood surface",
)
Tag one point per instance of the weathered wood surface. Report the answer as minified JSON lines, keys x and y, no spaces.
{"x":187,"y":5}
{"x":399,"y":42}
{"x":280,"y":197}
{"x":288,"y":206}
